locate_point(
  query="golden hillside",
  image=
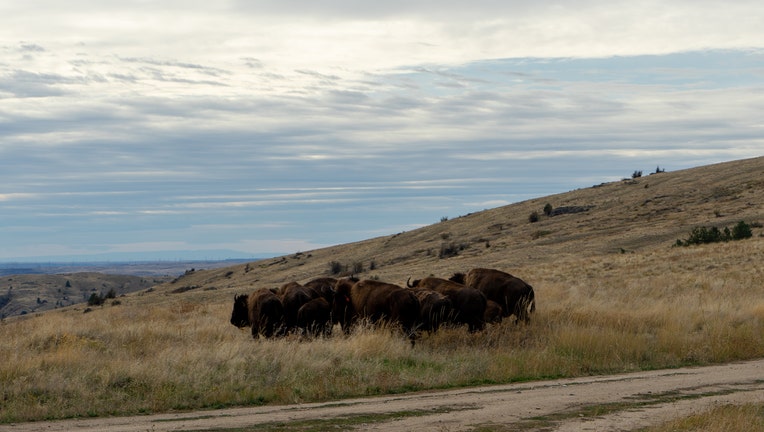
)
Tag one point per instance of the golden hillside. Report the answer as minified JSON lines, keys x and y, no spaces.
{"x":629,"y":216}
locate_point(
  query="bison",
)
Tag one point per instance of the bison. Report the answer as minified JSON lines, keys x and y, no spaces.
{"x":324,"y":286}
{"x":376,"y":301}
{"x":513,"y":294}
{"x":435,"y":308}
{"x":262,"y":310}
{"x":342,"y":314}
{"x":468,"y":303}
{"x":493,"y":312}
{"x":314,"y":317}
{"x":293,"y":297}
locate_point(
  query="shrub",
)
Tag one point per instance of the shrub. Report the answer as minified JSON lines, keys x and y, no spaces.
{"x":741,"y":231}
{"x":701,"y":235}
{"x":95,"y":300}
{"x":357,"y":267}
{"x":336,"y":267}
{"x":449,"y":250}
{"x":534,"y":217}
{"x":548,"y":209}
{"x":636,"y":174}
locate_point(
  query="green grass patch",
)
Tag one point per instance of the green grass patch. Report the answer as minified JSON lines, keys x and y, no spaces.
{"x":344,"y":423}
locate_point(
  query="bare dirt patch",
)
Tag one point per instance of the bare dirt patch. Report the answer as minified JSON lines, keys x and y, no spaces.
{"x":616,"y":402}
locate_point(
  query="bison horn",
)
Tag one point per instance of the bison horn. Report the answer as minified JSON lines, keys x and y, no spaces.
{"x":408,"y":282}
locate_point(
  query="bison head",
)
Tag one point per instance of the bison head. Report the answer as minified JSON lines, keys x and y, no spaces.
{"x":457,"y":277}
{"x":240,"y":314}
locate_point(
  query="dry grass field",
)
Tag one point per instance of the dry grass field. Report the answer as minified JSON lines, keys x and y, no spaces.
{"x":613,"y":295}
{"x":726,"y":418}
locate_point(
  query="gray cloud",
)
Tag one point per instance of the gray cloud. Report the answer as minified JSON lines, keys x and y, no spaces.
{"x":30,"y":47}
{"x":148,"y":145}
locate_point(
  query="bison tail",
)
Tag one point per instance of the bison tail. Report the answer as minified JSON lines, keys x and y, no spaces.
{"x":532,"y":299}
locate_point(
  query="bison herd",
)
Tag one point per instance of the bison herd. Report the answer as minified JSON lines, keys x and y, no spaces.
{"x":474,"y":298}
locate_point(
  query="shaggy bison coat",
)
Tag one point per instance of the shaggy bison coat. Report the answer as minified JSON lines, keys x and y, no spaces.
{"x":314,"y":318}
{"x":376,"y":301}
{"x":435,"y":308}
{"x":324,"y":286}
{"x":262,"y":310}
{"x":468,"y":303}
{"x":493,"y":312}
{"x":513,"y":294}
{"x":293,"y":297}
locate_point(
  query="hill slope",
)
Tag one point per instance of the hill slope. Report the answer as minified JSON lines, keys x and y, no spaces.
{"x":633,"y":215}
{"x":29,"y":293}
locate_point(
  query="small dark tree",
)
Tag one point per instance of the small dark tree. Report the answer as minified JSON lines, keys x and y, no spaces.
{"x":534,"y":217}
{"x":741,"y":231}
{"x":548,"y":209}
{"x":636,"y":174}
{"x":95,"y":300}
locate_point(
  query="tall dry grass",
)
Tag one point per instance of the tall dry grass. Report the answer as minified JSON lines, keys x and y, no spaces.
{"x":624,"y":312}
{"x":726,"y":418}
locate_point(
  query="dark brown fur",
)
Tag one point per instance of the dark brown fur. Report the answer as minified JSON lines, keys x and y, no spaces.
{"x":314,"y":317}
{"x":513,"y":294}
{"x":262,"y":310}
{"x":293,"y":297}
{"x":493,"y":312}
{"x":376,"y":301}
{"x":324,"y":286}
{"x":435,"y":308}
{"x":468,"y":303}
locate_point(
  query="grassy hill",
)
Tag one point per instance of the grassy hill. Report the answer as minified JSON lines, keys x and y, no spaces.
{"x":631,"y":216}
{"x":34,"y":293}
{"x":613,"y":295}
{"x":38,"y":287}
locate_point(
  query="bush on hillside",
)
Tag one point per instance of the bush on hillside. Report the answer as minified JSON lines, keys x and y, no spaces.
{"x":702,"y":235}
{"x":450,"y":249}
{"x":548,"y":209}
{"x":100,"y":299}
{"x":336,"y":267}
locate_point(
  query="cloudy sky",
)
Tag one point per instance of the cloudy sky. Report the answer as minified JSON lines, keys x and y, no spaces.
{"x":240,"y":128}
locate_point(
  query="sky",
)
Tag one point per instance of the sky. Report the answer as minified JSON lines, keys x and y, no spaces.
{"x":228,"y":129}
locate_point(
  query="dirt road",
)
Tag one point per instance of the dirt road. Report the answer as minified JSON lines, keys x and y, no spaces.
{"x":617,"y":402}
